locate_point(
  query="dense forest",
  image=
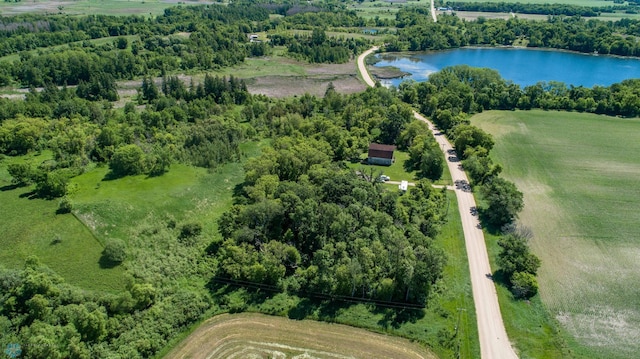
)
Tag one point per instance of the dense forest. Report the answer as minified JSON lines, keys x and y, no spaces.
{"x":308,"y":225}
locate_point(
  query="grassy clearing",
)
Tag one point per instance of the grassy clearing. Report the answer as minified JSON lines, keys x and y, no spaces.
{"x":579,"y":176}
{"x":32,"y":227}
{"x":383,"y":9}
{"x":111,"y":208}
{"x":71,"y":244}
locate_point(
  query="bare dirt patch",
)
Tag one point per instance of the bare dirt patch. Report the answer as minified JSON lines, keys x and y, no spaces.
{"x":314,"y":82}
{"x":251,"y":335}
{"x":474,"y":15}
{"x":24,"y":7}
{"x":285,"y":86}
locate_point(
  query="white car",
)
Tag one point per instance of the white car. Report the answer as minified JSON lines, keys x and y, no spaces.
{"x":384,"y":178}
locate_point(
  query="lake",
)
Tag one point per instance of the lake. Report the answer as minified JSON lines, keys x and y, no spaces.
{"x":522,"y":66}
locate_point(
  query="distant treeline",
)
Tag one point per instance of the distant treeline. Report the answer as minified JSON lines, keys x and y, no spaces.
{"x":541,"y":9}
{"x":466,"y":90}
{"x":417,"y":33}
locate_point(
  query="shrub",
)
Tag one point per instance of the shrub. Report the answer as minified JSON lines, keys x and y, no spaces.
{"x":190,"y":230}
{"x":52,"y":184}
{"x":524,"y":285}
{"x":127,"y":160}
{"x":21,"y":173}
{"x":65,"y":206}
{"x":115,"y":251}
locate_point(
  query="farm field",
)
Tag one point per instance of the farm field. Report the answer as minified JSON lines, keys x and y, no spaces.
{"x":578,"y":173}
{"x":258,"y":335}
{"x":91,"y":7}
{"x":280,"y":76}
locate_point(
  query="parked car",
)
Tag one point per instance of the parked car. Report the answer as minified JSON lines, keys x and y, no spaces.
{"x":384,"y":178}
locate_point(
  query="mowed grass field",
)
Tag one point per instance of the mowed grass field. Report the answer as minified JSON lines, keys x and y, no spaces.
{"x":31,"y":227}
{"x":579,"y":175}
{"x":71,"y":244}
{"x":251,"y":335}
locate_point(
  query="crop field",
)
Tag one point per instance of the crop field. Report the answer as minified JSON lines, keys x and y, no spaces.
{"x":579,"y":175}
{"x":93,"y":7}
{"x":260,"y":336}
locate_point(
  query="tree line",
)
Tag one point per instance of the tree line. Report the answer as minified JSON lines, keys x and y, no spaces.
{"x":463,"y":89}
{"x":187,"y":128}
{"x":448,"y":97}
{"x":418,"y":33}
{"x":523,"y":8}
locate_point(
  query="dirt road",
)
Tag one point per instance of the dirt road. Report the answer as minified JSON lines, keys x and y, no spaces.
{"x":433,"y":12}
{"x":494,"y":343}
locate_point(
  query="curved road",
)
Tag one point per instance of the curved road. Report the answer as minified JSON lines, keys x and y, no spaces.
{"x":494,"y":343}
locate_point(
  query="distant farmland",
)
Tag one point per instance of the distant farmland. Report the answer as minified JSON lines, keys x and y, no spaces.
{"x":579,"y":174}
{"x":93,"y":7}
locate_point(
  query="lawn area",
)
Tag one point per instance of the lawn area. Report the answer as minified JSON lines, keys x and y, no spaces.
{"x":396,"y":171}
{"x":71,"y":244}
{"x":578,"y":173}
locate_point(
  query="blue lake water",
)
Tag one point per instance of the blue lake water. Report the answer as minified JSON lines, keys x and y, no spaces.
{"x":522,"y":66}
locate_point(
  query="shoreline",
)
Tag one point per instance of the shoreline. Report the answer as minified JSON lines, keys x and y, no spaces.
{"x":515,"y":48}
{"x":405,"y":71}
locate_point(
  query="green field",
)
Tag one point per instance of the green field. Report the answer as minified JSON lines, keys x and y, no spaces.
{"x":71,"y":244}
{"x":579,"y":174}
{"x":30,"y":226}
